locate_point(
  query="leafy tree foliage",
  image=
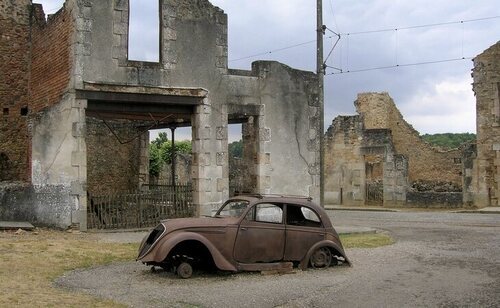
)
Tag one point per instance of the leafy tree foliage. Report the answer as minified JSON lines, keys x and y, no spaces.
{"x":449,"y":140}
{"x":155,"y":161}
{"x":166,"y":151}
{"x":160,"y":152}
{"x":235,"y":149}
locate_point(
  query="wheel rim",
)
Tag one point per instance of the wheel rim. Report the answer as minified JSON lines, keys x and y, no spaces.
{"x":322,"y":257}
{"x":184,"y":270}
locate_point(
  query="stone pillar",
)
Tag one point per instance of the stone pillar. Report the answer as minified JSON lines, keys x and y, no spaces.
{"x":144,"y":159}
{"x":209,"y":170}
{"x":395,"y":180}
{"x":79,"y":185}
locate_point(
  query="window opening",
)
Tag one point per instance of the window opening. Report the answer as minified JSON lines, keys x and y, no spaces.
{"x":6,"y":111}
{"x":266,"y":212}
{"x":24,"y":111}
{"x":144,"y":31}
{"x":302,"y":216}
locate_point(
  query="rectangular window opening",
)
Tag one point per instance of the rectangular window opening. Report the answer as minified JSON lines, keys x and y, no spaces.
{"x":144,"y":31}
{"x":6,"y":111}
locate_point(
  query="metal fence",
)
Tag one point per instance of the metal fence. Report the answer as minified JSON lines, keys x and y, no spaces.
{"x":138,"y":209}
{"x":374,"y":193}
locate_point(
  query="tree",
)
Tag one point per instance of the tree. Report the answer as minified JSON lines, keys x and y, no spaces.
{"x":183,"y":146}
{"x":160,"y":152}
{"x":449,"y":140}
{"x":235,"y":149}
{"x":161,"y":139}
{"x":155,"y":161}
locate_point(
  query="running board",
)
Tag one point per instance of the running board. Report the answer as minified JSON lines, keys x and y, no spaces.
{"x":261,"y":267}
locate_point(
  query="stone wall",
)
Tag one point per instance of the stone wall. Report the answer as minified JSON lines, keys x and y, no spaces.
{"x":182,"y":171}
{"x":113,"y":155}
{"x":485,"y":186}
{"x":14,"y":79}
{"x":344,"y":168}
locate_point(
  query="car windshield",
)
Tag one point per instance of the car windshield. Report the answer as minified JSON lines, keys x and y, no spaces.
{"x":233,"y":208}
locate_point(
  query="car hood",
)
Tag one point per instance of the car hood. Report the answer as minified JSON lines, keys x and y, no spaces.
{"x":196,"y":223}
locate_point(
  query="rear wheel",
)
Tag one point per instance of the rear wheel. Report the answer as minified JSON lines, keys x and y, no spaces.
{"x":321,"y":258}
{"x":184,"y":270}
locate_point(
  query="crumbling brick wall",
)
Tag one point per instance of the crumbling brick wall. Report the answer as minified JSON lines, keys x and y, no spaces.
{"x":51,"y":57}
{"x":113,"y":155}
{"x":14,"y":78}
{"x":35,"y":71}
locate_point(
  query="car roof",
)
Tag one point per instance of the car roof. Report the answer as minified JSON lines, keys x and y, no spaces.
{"x":304,"y":200}
{"x":288,"y":199}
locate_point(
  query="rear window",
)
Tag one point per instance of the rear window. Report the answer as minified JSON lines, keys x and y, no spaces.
{"x":302,"y":216}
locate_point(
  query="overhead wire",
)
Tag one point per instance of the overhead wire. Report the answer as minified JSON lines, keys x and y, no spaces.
{"x":398,"y":65}
{"x":347,"y":34}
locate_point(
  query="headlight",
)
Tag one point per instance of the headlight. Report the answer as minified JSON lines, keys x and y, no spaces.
{"x":151,"y":239}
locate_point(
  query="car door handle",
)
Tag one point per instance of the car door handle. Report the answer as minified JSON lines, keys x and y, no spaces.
{"x":243,"y":229}
{"x":321,"y":234}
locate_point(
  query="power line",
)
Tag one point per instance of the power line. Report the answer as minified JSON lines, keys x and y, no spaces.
{"x":364,"y":32}
{"x":397,"y":65}
{"x":421,"y":26}
{"x":273,"y":51}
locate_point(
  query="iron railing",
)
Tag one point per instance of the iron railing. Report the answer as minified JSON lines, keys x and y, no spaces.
{"x":139,"y":209}
{"x":374,"y":193}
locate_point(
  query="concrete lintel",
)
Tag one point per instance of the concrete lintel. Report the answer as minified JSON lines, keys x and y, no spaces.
{"x":159,"y":90}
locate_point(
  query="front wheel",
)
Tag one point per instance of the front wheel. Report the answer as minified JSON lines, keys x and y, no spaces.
{"x":184,"y":270}
{"x":321,"y":258}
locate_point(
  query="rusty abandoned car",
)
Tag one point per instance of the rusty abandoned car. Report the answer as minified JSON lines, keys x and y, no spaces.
{"x":247,"y":233}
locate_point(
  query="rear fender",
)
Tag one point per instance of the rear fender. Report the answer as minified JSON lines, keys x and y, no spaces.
{"x":170,"y":241}
{"x":305,"y":262}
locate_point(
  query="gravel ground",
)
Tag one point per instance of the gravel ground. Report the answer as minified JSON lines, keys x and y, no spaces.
{"x":439,"y":259}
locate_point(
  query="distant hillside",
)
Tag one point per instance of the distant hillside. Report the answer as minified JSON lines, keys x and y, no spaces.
{"x":449,"y":140}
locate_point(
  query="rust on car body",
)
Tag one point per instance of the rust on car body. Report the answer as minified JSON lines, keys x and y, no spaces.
{"x":248,"y":233}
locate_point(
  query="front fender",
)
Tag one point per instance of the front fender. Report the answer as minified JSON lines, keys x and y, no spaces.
{"x":326,"y":243}
{"x":164,"y":246}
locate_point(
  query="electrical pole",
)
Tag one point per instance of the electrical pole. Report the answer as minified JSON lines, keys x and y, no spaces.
{"x":320,"y":71}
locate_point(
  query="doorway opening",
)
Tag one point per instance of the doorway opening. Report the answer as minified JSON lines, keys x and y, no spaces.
{"x":243,"y":155}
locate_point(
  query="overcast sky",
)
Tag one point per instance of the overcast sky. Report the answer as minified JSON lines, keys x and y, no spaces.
{"x":434,"y":98}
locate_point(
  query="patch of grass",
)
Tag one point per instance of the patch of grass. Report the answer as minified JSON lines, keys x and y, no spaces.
{"x":370,"y":240}
{"x":31,"y":261}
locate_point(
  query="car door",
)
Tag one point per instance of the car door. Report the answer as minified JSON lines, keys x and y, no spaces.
{"x":303,"y":230}
{"x":261,"y":235}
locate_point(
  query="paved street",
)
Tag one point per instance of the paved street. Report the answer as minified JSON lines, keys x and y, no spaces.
{"x":439,"y":259}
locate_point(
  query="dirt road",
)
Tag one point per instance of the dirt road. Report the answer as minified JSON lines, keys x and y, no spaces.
{"x":439,"y":259}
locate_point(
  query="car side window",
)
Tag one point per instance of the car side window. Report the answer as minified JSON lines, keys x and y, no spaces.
{"x":266,"y":212}
{"x":302,"y":216}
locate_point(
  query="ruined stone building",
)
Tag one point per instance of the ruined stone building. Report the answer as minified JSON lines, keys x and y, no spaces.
{"x":376,"y":157}
{"x":76,"y":110}
{"x":483,"y":176}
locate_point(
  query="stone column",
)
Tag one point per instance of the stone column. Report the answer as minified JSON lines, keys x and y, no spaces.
{"x":144,"y":159}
